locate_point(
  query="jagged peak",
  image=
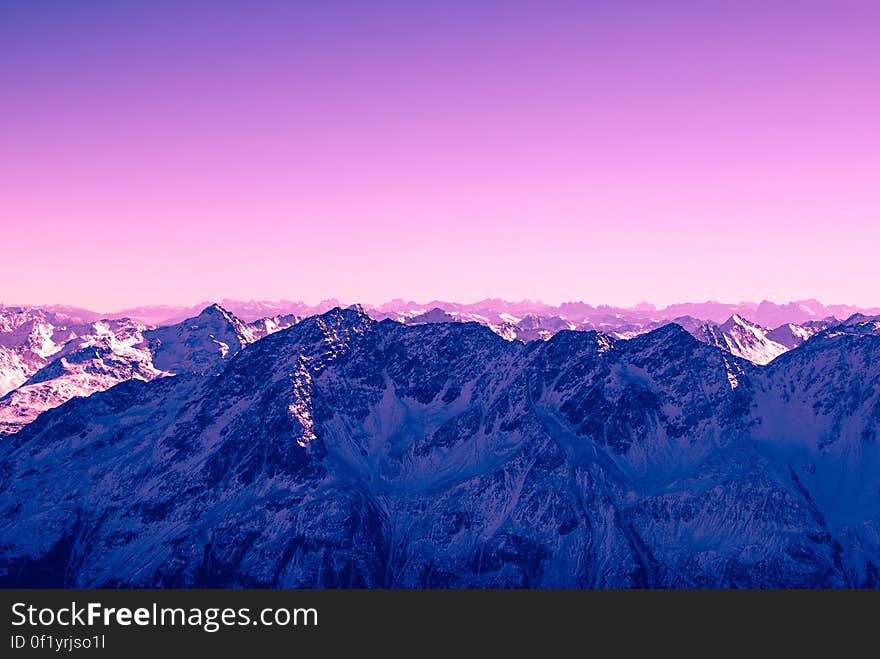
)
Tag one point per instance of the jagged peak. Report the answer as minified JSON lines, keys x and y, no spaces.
{"x":213,"y":309}
{"x":351,"y":318}
{"x":465,"y":331}
{"x":737,"y":320}
{"x":529,"y":321}
{"x":354,"y":311}
{"x":591,"y":337}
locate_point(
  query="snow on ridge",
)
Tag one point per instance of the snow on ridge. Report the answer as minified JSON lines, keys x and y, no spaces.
{"x":29,"y":342}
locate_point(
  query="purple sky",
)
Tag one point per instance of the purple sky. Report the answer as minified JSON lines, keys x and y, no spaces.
{"x":605,"y":151}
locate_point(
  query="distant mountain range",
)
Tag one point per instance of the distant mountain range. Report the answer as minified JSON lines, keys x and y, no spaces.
{"x":488,"y":445}
{"x":497,"y":311}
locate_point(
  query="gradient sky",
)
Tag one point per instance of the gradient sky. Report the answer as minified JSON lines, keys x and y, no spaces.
{"x":172,"y":152}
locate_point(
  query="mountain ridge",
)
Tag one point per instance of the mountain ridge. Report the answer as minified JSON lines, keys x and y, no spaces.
{"x":204,"y":340}
{"x":345,"y":451}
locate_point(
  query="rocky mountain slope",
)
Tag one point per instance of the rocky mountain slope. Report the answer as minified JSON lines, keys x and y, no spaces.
{"x":346,"y":452}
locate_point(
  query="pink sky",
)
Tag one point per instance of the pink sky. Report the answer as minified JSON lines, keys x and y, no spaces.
{"x":523,"y":150}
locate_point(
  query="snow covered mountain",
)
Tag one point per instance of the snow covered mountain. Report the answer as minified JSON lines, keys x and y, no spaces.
{"x":28,"y":339}
{"x":348,"y":452}
{"x":269,"y":325}
{"x":528,"y":328}
{"x":199,"y":344}
{"x":741,"y":338}
{"x":64,"y":362}
{"x":104,"y":354}
{"x":739,"y":328}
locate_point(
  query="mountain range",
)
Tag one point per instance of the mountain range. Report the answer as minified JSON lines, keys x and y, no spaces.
{"x":440,"y":447}
{"x":51,"y":354}
{"x":491,"y":310}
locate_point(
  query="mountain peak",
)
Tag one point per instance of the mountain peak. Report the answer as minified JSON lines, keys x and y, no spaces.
{"x":198,"y":344}
{"x":670,"y":334}
{"x":353,"y":317}
{"x":358,"y":308}
{"x":435,"y":315}
{"x":215,"y":309}
{"x":857,"y":318}
{"x":738,"y":321}
{"x":670,"y":330}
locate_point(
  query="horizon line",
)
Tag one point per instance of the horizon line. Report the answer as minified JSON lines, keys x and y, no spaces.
{"x":644,"y":305}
